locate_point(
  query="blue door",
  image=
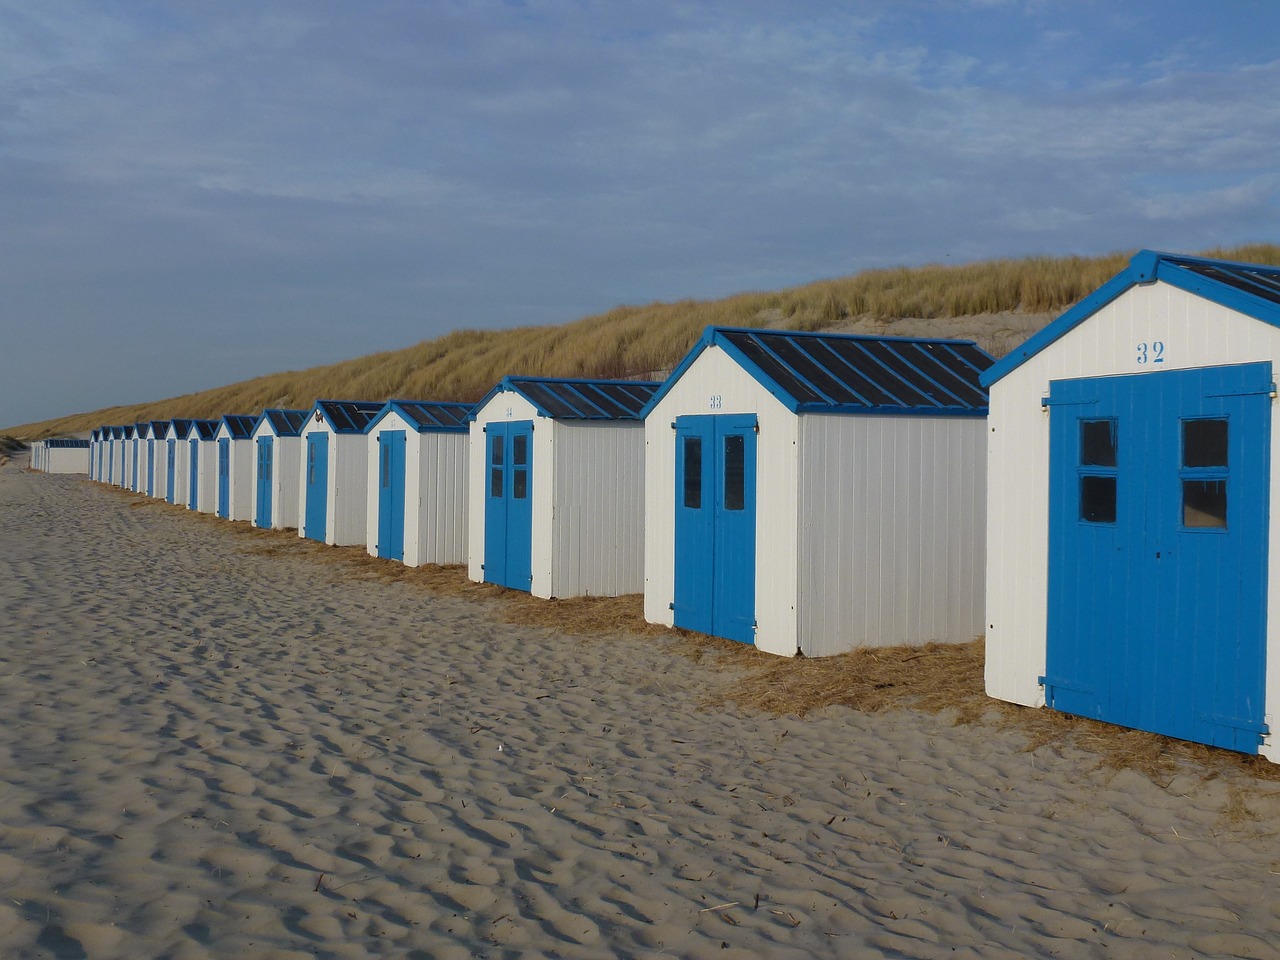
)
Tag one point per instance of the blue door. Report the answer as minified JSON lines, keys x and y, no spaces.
{"x":172,"y":468}
{"x":508,"y":512}
{"x":224,"y":478}
{"x":715,"y":529}
{"x":151,"y":468}
{"x":133,"y":483}
{"x":391,"y":494}
{"x":1158,"y":521}
{"x":316,"y":509}
{"x":266,"y":454}
{"x":193,"y":502}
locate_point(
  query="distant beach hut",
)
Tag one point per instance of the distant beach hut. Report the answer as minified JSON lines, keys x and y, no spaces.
{"x":417,"y":508}
{"x":37,"y":449}
{"x":1132,"y":473}
{"x":154,"y":467}
{"x":333,"y":482}
{"x":177,"y":449}
{"x":235,"y":466}
{"x":138,"y":454}
{"x":813,"y":493}
{"x":556,"y":486}
{"x":202,"y":466}
{"x":64,"y":455}
{"x":277,"y":462}
{"x":120,"y":439}
{"x":94,"y":437}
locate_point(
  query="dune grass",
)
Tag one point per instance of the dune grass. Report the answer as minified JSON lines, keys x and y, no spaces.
{"x":649,"y":340}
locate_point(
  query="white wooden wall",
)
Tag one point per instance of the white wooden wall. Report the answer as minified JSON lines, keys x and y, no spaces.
{"x":64,"y":459}
{"x":1195,"y":333}
{"x":892,"y":531}
{"x":715,"y":375}
{"x":597,"y":539}
{"x":348,"y":489}
{"x":207,"y":477}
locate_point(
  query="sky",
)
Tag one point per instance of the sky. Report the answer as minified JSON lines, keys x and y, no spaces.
{"x":195,"y":193}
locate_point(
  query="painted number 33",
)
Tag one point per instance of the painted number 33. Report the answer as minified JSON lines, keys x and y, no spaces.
{"x":1152,"y":352}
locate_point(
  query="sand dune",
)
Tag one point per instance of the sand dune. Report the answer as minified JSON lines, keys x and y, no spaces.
{"x":212,"y":750}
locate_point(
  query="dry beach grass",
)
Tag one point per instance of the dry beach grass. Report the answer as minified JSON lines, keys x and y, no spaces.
{"x":220,"y":742}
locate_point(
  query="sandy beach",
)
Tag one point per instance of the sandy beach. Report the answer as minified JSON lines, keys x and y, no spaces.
{"x":214,"y":750}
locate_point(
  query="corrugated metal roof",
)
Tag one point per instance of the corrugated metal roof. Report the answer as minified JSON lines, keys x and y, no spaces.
{"x":64,"y":442}
{"x":348,"y":416}
{"x":580,"y":399}
{"x":433,"y":415}
{"x":159,"y":428}
{"x":286,"y":423}
{"x":181,"y":427}
{"x":853,"y":373}
{"x":239,"y":425}
{"x":1254,"y":279}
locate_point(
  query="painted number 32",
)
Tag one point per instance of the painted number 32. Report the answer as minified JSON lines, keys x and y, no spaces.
{"x":1152,"y":352}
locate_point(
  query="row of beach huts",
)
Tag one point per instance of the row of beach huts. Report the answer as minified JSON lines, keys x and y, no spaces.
{"x":1097,"y":503}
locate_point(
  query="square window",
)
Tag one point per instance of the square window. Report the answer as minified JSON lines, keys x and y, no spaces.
{"x":1098,"y":499}
{"x":1098,"y":443}
{"x":1204,"y":443}
{"x":1204,"y":504}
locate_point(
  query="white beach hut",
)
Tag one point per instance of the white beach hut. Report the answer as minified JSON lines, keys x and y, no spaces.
{"x":119,"y":454}
{"x":64,"y":455}
{"x":153,"y":481}
{"x":556,"y":486}
{"x":417,"y":510}
{"x":37,"y":448}
{"x":1133,"y":460}
{"x":277,"y":462}
{"x":202,"y":466}
{"x":233,"y":440}
{"x":177,"y":469}
{"x":94,"y":437}
{"x":815,"y":493}
{"x":333,"y":481}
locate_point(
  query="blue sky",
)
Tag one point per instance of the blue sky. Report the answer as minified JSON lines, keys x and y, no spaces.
{"x":196,"y":193}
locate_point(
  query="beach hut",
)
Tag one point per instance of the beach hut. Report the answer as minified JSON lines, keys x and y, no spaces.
{"x":556,"y":486}
{"x":234,"y":443}
{"x":814,"y":493}
{"x":333,"y":481}
{"x":93,"y":453}
{"x":177,"y":449}
{"x":153,"y":478}
{"x":120,"y":439}
{"x":277,"y":442}
{"x":37,"y":455}
{"x":417,"y":509}
{"x":64,"y":455}
{"x":202,"y":466}
{"x":138,"y":455}
{"x":1133,"y":460}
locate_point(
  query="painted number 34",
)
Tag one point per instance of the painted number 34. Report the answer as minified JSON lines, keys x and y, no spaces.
{"x":1152,"y":352}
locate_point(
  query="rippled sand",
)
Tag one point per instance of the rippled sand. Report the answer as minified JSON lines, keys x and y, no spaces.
{"x":208,"y":751}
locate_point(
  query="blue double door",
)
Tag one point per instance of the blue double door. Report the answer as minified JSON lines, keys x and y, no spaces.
{"x":715,"y":525}
{"x":266,"y":461}
{"x":193,"y":480}
{"x":508,"y":510}
{"x":1158,"y":525}
{"x":391,"y":494}
{"x":224,"y":478}
{"x":171,"y":469}
{"x":315,"y":509}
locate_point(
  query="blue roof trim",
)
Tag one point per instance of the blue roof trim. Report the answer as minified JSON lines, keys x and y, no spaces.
{"x":346,"y":416}
{"x":427,"y":416}
{"x":1148,"y":266}
{"x":879,"y":375}
{"x":567,"y":389}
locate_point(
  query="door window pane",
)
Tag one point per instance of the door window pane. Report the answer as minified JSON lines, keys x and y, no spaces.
{"x":495,"y":482}
{"x":735,"y":446}
{"x":1098,"y":443}
{"x":519,"y":449}
{"x":386,"y":466}
{"x":1098,"y":499}
{"x":519,"y":483}
{"x":1204,"y":503}
{"x":311,"y":464}
{"x":693,"y":472}
{"x":1204,"y":443}
{"x":496,"y":456}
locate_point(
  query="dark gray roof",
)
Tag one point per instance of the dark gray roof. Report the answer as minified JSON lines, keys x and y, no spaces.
{"x":349,"y":416}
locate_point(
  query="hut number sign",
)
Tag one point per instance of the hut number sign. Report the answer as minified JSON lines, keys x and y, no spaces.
{"x":1150,"y":351}
{"x":717,"y":402}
